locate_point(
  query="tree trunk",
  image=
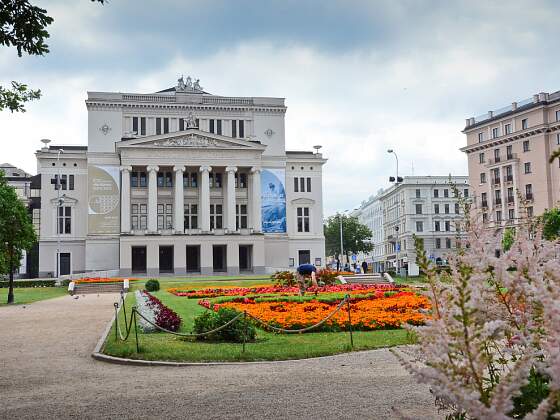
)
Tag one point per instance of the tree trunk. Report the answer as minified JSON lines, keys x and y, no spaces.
{"x":11,"y":283}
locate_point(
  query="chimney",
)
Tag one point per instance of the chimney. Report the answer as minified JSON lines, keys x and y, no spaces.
{"x":543,"y":97}
{"x":513,"y":106}
{"x":535,"y":99}
{"x":467,"y":122}
{"x":490,"y":114}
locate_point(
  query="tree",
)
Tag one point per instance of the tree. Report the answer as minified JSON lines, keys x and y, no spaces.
{"x":551,"y":224}
{"x":355,"y":236}
{"x":508,"y":238}
{"x":23,"y":26}
{"x":16,"y":232}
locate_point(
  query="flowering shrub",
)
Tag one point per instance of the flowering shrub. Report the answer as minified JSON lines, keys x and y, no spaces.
{"x":326,"y":276}
{"x":492,"y":349}
{"x":284,"y":278}
{"x":102,"y":280}
{"x":152,"y":308}
{"x":378,"y":312}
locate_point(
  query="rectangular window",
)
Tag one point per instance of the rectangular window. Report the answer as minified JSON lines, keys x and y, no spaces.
{"x":181,"y":124}
{"x":219,"y":127}
{"x":191,"y":216}
{"x":446,"y":193}
{"x":240,"y":180}
{"x":241,"y":216}
{"x":529,"y":211}
{"x":529,"y":191}
{"x":498,"y":216}
{"x":481,"y":158}
{"x":302,"y":184}
{"x":527,"y":167}
{"x":436,"y":193}
{"x":526,"y":145}
{"x":447,"y":225}
{"x":64,"y":182}
{"x":497,"y":155}
{"x":308,"y":184}
{"x":64,"y":220}
{"x":497,"y":197}
{"x":438,"y":243}
{"x":483,"y":196}
{"x":296,"y":184}
{"x":160,"y":179}
{"x":215,"y":216}
{"x":233,"y":128}
{"x":419,"y":226}
{"x":558,"y":139}
{"x":436,"y":208}
{"x":507,"y":128}
{"x":158,"y":125}
{"x":70,"y":182}
{"x":524,"y":124}
{"x":456,"y":208}
{"x":194,"y":180}
{"x":135,"y":125}
{"x":509,"y":152}
{"x":302,"y":219}
{"x":495,"y":133}
{"x":446,"y":207}
{"x":483,"y":178}
{"x":165,"y":125}
{"x":437,"y":227}
{"x":480,"y":137}
{"x":143,"y":180}
{"x":466,"y":192}
{"x":558,"y":115}
{"x":143,"y":126}
{"x":447,"y":243}
{"x":241,"y":129}
{"x":510,"y":195}
{"x":134,"y":179}
{"x":417,"y":193}
{"x":484,"y":217}
{"x":418,"y":208}
{"x":211,"y":126}
{"x":511,"y":214}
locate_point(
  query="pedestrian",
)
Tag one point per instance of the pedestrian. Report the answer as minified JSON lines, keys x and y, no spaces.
{"x":303,"y":271}
{"x":338,"y":264}
{"x":364,"y":267}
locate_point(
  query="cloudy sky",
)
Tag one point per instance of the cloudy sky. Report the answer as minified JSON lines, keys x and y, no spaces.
{"x":358,"y":76}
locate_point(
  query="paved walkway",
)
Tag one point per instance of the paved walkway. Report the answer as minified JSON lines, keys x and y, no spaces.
{"x":46,"y":372}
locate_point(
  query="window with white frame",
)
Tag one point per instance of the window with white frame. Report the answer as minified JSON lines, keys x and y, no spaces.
{"x":240,"y":180}
{"x":524,"y":124}
{"x":527,"y":167}
{"x":419,"y":226}
{"x":164,"y":216}
{"x":241,"y":216}
{"x":302,"y":219}
{"x":216,"y":216}
{"x":64,"y":220}
{"x":302,"y":184}
{"x":190,"y":180}
{"x":139,"y":216}
{"x":558,"y":115}
{"x":437,"y":226}
{"x":215,"y":180}
{"x":495,"y":132}
{"x":507,"y":128}
{"x":446,"y":208}
{"x":447,"y":226}
{"x":191,"y":216}
{"x":483,"y":177}
{"x":37,"y":220}
{"x":480,"y":137}
{"x":438,"y":243}
{"x":138,"y":179}
{"x":481,"y":158}
{"x":447,"y":243}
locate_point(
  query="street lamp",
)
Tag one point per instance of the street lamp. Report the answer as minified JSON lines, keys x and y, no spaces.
{"x":397,"y":180}
{"x":60,"y":201}
{"x":341,"y":242}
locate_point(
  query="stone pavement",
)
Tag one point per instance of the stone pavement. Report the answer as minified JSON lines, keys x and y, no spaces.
{"x":46,"y":371}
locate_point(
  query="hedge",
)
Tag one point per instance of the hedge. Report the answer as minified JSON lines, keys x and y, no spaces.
{"x":28,"y":283}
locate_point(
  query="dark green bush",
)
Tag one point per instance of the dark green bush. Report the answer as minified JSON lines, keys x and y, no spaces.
{"x":152,"y":285}
{"x":29,"y":283}
{"x":235,"y":332}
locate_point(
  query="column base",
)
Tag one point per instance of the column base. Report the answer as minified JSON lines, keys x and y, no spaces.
{"x":179,"y":232}
{"x":233,"y":271}
{"x":206,"y":271}
{"x":152,"y":272}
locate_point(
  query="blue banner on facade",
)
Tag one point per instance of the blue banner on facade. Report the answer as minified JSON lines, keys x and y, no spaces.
{"x":273,"y":200}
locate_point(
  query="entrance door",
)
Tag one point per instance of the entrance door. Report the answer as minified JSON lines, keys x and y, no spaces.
{"x":245,"y":257}
{"x":165,"y":259}
{"x":64,"y":264}
{"x":219,"y":258}
{"x":304,"y":256}
{"x":193,"y":258}
{"x":138,"y":259}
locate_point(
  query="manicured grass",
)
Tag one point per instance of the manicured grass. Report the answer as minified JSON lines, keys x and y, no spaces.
{"x":32,"y":294}
{"x":269,"y":346}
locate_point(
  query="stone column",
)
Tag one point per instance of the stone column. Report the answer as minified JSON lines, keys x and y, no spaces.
{"x":179,"y":200}
{"x":230,"y":208}
{"x":204,"y":198}
{"x":256,"y":199}
{"x":152,"y":198}
{"x":125,"y":198}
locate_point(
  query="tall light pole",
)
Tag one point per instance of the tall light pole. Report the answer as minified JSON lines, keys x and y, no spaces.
{"x":397,"y":181}
{"x":341,"y":241}
{"x":60,"y":201}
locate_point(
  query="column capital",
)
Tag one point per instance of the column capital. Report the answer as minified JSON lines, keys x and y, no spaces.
{"x":255,"y":170}
{"x":178,"y":168}
{"x":126,"y":168}
{"x":152,"y":168}
{"x":205,"y":168}
{"x":231,"y":169}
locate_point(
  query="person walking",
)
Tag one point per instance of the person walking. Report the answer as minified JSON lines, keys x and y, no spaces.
{"x":364,"y":267}
{"x":338,"y":264}
{"x":303,"y":271}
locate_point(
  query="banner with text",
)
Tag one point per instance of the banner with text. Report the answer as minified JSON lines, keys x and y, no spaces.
{"x":103,"y":199}
{"x":273,"y":200}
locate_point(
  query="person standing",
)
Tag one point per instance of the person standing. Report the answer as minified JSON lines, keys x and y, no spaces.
{"x":364,"y":267}
{"x":338,"y":264}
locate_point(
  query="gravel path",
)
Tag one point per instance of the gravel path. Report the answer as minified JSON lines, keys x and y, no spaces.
{"x":46,"y":371}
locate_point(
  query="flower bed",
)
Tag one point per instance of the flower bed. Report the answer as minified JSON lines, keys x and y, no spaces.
{"x":281,"y":290}
{"x":151,"y":308}
{"x":102,"y":280}
{"x":367,"y":313}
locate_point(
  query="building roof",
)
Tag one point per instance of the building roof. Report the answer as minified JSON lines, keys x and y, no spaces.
{"x":69,"y":147}
{"x":12,"y":172}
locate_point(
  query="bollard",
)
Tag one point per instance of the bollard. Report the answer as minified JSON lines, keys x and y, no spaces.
{"x":350,"y":322}
{"x":135,"y":329}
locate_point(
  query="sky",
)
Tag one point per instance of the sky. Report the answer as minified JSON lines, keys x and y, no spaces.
{"x":359,"y":77}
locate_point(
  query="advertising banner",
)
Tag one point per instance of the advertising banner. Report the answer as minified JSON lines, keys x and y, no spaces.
{"x":103,"y":199}
{"x":273,"y":200}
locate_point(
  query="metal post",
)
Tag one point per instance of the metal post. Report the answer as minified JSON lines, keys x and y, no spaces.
{"x":116,"y":305}
{"x":58,"y":206}
{"x":341,"y":242}
{"x":349,"y":322}
{"x":397,"y":245}
{"x":245,"y":332}
{"x":135,"y":329}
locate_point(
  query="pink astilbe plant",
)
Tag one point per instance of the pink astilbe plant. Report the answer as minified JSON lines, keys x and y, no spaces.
{"x":492,"y":347}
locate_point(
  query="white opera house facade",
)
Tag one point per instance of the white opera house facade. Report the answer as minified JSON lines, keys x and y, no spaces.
{"x":180,"y":181}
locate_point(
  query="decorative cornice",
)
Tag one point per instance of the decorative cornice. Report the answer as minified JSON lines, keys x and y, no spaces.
{"x":205,"y":168}
{"x":178,"y":169}
{"x":231,"y":169}
{"x":191,"y":140}
{"x":126,"y":168}
{"x":152,"y":168}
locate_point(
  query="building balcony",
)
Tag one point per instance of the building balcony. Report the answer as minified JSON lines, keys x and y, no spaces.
{"x":498,"y":201}
{"x":484,"y":203}
{"x":510,"y":200}
{"x":508,"y":178}
{"x":496,"y":181}
{"x":529,"y":196}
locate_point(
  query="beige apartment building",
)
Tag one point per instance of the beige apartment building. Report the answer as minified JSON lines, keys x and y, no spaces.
{"x":508,"y":151}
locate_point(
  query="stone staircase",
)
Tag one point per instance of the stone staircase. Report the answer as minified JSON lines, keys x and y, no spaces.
{"x":374,"y":278}
{"x":89,"y":288}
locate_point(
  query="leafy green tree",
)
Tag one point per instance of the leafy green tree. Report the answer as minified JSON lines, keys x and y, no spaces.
{"x":23,"y":26}
{"x":551,"y":224}
{"x":16,"y":232}
{"x":508,"y":238}
{"x":356,"y":237}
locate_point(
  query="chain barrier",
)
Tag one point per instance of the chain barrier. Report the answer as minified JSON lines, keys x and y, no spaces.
{"x":244,"y":314}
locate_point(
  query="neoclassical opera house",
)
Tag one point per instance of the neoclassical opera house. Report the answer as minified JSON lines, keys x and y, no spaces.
{"x":180,"y":181}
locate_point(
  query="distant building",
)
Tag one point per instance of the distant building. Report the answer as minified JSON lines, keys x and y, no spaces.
{"x":424,"y":206}
{"x":508,"y":151}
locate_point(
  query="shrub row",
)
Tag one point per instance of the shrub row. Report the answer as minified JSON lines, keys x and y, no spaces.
{"x":28,"y":283}
{"x":235,"y":332}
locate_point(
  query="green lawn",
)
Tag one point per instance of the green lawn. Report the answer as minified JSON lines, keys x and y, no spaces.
{"x":269,"y":346}
{"x":32,"y":294}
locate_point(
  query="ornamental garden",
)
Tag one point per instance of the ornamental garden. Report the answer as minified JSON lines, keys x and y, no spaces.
{"x":262,"y":319}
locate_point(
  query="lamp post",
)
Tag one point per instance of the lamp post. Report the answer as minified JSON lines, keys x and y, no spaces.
{"x":397,"y":181}
{"x":341,"y":241}
{"x":59,"y":202}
